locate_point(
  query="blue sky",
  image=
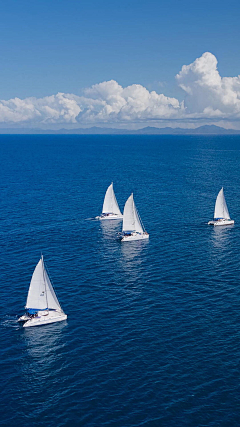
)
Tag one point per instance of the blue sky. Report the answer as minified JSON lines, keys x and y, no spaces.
{"x":66,"y":46}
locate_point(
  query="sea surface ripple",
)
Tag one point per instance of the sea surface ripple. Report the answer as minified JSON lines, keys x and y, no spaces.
{"x":153,"y":330}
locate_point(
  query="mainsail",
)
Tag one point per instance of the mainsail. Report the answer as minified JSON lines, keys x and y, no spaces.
{"x":221,"y":210}
{"x":131,"y":220}
{"x":41,"y":295}
{"x":110,"y":204}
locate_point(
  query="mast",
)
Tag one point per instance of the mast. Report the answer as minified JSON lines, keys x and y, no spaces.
{"x":44,"y":282}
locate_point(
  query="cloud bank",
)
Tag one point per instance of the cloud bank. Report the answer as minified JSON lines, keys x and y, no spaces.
{"x":207,"y":96}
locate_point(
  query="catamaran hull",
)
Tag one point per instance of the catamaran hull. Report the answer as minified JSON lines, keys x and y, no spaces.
{"x":103,"y":218}
{"x":23,"y":319}
{"x":136,"y":236}
{"x":221,"y":222}
{"x":41,"y":320}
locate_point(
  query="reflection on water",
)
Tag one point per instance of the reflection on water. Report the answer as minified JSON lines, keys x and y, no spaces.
{"x":43,"y":349}
{"x":128,"y":257}
{"x":132,"y":250}
{"x":132,"y":255}
{"x":110,"y":228}
{"x":221,"y":236}
{"x":132,"y":265}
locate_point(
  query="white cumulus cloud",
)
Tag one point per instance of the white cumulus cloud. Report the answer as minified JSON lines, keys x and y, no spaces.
{"x":108,"y":101}
{"x":207,"y":93}
{"x":207,"y":96}
{"x":50,"y":109}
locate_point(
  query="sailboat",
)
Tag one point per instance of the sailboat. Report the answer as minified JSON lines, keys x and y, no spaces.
{"x":110,"y":208}
{"x":221,"y":214}
{"x":42,"y":306}
{"x":132,"y":228}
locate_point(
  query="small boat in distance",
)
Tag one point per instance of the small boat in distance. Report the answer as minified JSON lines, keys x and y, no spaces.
{"x":110,"y":208}
{"x":42,"y":306}
{"x":221,"y":214}
{"x":133,"y":228}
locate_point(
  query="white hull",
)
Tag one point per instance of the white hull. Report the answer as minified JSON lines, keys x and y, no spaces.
{"x":110,"y":216}
{"x":221,"y":222}
{"x":135,"y":236}
{"x":51,"y":317}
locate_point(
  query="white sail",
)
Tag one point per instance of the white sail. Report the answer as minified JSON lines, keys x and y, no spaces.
{"x":41,"y":295}
{"x":37,"y":297}
{"x":131,"y":220}
{"x":110,"y":204}
{"x":221,"y":210}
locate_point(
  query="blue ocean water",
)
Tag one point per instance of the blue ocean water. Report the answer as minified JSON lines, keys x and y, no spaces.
{"x":153,"y":330}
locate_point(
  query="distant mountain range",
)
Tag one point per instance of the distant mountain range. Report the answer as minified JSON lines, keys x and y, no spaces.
{"x":202,"y":130}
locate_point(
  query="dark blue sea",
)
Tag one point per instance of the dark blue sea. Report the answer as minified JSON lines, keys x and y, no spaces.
{"x":153,"y":330}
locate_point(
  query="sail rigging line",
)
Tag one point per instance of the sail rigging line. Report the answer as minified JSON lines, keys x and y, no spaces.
{"x":140,"y":220}
{"x":51,"y":281}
